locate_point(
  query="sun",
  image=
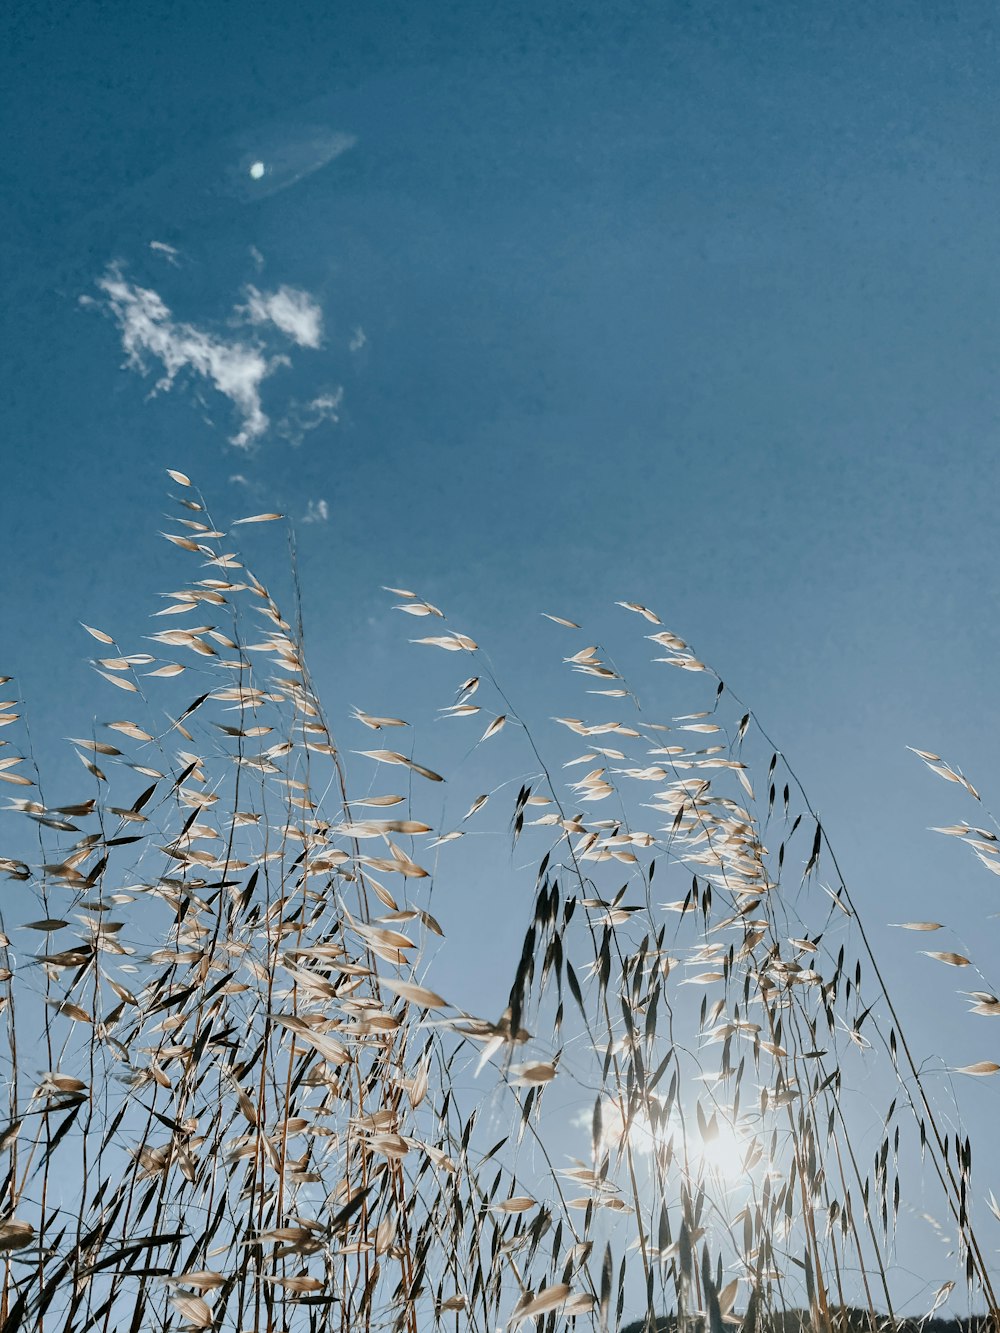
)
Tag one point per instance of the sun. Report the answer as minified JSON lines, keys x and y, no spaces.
{"x":716,"y":1149}
{"x":723,"y":1151}
{"x":257,"y":170}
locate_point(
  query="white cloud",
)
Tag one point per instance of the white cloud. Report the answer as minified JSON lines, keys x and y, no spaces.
{"x":318,"y":512}
{"x":234,"y":366}
{"x":304,"y":417}
{"x":613,"y":1127}
{"x":149,"y":331}
{"x":168,"y":252}
{"x":289,"y":309}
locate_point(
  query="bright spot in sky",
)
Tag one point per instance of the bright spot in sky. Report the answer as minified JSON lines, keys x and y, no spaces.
{"x":257,"y":170}
{"x":725,"y":1152}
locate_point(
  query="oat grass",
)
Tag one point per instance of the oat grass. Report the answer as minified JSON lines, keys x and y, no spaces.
{"x":236,"y":1100}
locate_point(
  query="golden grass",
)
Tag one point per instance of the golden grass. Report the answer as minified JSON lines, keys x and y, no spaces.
{"x":236,"y":1100}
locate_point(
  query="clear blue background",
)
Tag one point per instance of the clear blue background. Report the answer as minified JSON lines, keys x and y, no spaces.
{"x":690,"y":304}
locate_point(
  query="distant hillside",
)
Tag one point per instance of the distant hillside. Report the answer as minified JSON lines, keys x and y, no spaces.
{"x":848,"y":1320}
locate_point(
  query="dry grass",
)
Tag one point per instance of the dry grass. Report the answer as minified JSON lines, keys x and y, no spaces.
{"x":235,"y":1102}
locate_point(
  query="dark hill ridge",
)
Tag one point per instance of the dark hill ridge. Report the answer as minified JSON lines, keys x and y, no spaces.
{"x":848,"y":1320}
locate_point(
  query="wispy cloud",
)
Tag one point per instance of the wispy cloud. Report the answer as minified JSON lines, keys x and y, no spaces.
{"x":235,"y":367}
{"x":317,"y":512}
{"x":289,"y":309}
{"x":169,"y":253}
{"x":302,"y":418}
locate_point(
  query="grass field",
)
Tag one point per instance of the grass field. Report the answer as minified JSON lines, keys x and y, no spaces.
{"x":255,"y":1111}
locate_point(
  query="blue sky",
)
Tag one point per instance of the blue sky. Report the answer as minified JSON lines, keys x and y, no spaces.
{"x":537,"y":307}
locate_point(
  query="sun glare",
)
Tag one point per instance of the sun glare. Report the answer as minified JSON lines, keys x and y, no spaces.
{"x":724,"y":1152}
{"x":716,"y":1149}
